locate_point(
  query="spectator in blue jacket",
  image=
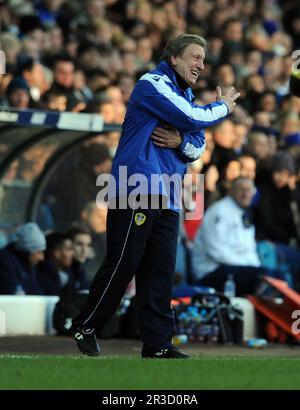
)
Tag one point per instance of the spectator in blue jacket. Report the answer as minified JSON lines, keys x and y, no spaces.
{"x":19,"y":259}
{"x":162,"y":131}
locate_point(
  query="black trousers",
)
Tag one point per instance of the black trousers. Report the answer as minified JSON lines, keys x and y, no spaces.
{"x":140,"y":242}
{"x":247,"y":278}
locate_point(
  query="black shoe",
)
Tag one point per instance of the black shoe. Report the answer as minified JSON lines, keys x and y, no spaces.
{"x":168,"y":353}
{"x":87,"y":342}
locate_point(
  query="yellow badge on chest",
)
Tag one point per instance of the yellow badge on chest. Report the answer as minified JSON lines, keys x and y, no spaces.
{"x":139,"y":218}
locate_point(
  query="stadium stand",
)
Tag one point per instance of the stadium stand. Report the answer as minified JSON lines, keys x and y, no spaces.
{"x":70,"y":67}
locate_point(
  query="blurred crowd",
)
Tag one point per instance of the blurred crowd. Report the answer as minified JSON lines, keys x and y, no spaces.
{"x":85,"y":56}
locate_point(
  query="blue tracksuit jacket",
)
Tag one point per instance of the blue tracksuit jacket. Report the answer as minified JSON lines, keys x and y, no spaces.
{"x":157,"y":100}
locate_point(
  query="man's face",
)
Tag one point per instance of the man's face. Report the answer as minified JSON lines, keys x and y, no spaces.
{"x":54,"y":5}
{"x":225,"y":135}
{"x":82,"y":244}
{"x":281,"y":178}
{"x":64,"y":73}
{"x":226,"y":75}
{"x":190,"y":63}
{"x":243,"y":192}
{"x":260,"y":146}
{"x":234,"y":31}
{"x":97,"y":220}
{"x":248,"y":167}
{"x":36,"y":257}
{"x":233,"y":170}
{"x":19,"y":98}
{"x":95,"y":8}
{"x":58,"y":103}
{"x":240,"y":135}
{"x":36,"y":76}
{"x":64,"y":254}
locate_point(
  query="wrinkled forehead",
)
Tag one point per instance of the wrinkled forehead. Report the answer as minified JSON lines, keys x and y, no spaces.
{"x":194,"y":49}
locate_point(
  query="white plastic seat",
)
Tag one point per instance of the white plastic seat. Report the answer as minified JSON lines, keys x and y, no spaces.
{"x":23,"y":315}
{"x":26,"y":315}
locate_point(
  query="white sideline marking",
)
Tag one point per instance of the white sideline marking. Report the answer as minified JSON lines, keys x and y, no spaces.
{"x":42,"y":356}
{"x":16,"y":356}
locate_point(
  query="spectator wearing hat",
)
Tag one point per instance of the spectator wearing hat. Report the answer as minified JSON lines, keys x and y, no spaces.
{"x":18,"y":93}
{"x":19,"y":259}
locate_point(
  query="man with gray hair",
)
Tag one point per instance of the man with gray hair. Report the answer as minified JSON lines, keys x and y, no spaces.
{"x":163,"y":131}
{"x":225,"y":244}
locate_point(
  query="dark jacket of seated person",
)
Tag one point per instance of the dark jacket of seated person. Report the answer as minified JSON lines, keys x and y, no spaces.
{"x":52,"y":280}
{"x":19,"y":259}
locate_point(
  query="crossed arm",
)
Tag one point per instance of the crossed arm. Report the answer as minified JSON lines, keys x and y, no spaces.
{"x":166,"y":137}
{"x":190,"y":146}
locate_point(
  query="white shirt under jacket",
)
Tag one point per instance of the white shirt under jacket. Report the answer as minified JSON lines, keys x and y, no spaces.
{"x":224,"y":239}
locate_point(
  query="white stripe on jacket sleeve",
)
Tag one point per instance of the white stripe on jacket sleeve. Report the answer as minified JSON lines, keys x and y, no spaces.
{"x":193,"y":152}
{"x":206,"y":114}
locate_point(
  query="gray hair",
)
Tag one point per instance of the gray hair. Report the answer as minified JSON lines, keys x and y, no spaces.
{"x":177,"y":45}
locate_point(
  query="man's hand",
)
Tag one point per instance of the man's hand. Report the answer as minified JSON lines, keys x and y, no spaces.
{"x":167,"y":137}
{"x":228,"y":96}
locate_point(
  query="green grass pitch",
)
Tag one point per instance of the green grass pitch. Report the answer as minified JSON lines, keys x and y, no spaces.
{"x":132,"y":373}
